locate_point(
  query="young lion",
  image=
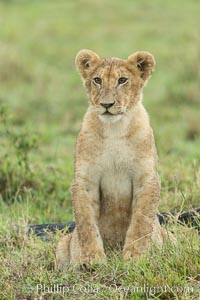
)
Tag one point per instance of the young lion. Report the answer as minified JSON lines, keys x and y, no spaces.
{"x":116,"y":187}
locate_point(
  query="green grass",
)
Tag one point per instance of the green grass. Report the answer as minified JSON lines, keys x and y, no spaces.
{"x":42,"y":104}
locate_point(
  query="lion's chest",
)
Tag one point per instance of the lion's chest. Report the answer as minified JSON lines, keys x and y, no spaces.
{"x":116,"y":172}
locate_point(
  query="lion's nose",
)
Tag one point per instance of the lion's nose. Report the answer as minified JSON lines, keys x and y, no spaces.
{"x":107,"y":105}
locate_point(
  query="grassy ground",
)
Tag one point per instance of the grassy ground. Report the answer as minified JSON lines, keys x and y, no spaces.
{"x":42,"y":104}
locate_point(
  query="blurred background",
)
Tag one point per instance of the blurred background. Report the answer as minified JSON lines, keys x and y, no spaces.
{"x":42,"y":101}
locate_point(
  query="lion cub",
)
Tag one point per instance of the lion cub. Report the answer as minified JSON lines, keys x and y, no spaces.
{"x":116,"y":187}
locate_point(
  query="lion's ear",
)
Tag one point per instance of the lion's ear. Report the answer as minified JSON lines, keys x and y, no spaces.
{"x":86,"y":61}
{"x":145,"y":63}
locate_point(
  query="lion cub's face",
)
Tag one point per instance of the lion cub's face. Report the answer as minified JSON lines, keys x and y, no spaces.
{"x":114,"y":85}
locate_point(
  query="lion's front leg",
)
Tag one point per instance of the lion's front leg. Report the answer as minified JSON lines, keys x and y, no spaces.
{"x":86,"y":211}
{"x":145,"y":204}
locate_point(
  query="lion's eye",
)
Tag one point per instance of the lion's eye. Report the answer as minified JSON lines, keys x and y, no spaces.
{"x":97,"y":80}
{"x":122,"y":80}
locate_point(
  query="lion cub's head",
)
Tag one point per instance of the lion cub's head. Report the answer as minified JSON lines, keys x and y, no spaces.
{"x":114,"y":85}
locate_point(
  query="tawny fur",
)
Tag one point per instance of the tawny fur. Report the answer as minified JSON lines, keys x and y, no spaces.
{"x":116,"y":187}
